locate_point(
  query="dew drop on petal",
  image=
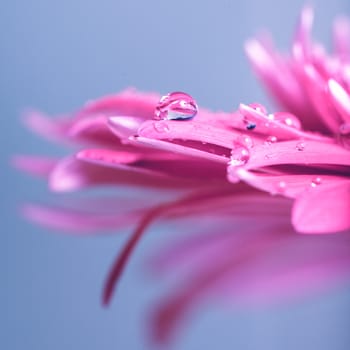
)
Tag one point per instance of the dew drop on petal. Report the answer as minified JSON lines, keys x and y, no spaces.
{"x":245,"y":140}
{"x":239,"y":156}
{"x":270,"y":140}
{"x":281,"y":187}
{"x":287,"y":119}
{"x":176,"y":106}
{"x":258,"y":107}
{"x":161,"y":126}
{"x":300,"y":146}
{"x":316,"y":181}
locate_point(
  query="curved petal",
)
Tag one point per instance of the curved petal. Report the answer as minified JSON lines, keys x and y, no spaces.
{"x":323,"y":210}
{"x":39,"y":166}
{"x":78,"y":222}
{"x":129,"y":103}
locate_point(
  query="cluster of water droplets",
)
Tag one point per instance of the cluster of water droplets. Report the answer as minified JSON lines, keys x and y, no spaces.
{"x":271,"y":121}
{"x":240,"y":155}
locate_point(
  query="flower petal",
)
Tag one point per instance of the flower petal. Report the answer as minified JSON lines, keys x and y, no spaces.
{"x":78,"y":222}
{"x":39,"y":166}
{"x":323,"y":210}
{"x":340,"y":98}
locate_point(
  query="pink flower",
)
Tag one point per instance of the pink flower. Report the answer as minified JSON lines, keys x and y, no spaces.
{"x":309,"y":159}
{"x":219,"y":168}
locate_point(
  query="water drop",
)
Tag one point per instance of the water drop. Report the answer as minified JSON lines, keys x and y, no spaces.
{"x":287,"y":119}
{"x":270,"y":140}
{"x":176,"y":106}
{"x":239,"y":156}
{"x":281,"y":187}
{"x":258,"y":107}
{"x":245,"y":140}
{"x":316,"y":181}
{"x":300,"y":146}
{"x":161,"y":126}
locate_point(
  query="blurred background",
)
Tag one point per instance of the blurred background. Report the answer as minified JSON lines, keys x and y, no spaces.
{"x":54,"y":56}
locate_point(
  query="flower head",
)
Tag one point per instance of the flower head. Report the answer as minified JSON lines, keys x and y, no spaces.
{"x":179,"y":160}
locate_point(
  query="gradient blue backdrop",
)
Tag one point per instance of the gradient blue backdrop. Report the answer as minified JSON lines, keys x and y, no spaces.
{"x":57,"y":54}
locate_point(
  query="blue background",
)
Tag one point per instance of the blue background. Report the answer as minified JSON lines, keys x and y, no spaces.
{"x":57,"y":54}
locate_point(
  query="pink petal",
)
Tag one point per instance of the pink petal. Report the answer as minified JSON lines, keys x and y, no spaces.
{"x":188,"y":130}
{"x":124,"y":127}
{"x":78,"y":222}
{"x":39,"y":166}
{"x":298,"y":152}
{"x":315,"y":86}
{"x":73,"y":174}
{"x":280,"y":81}
{"x":301,"y":44}
{"x":179,"y":149}
{"x":340,"y":98}
{"x":341,"y":37}
{"x":50,"y":128}
{"x":268,"y":126}
{"x":324,"y":210}
{"x":129,"y":103}
{"x":108,"y":157}
{"x":284,"y":184}
{"x":93,"y":130}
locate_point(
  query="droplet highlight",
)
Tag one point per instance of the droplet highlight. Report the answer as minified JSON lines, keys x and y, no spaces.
{"x":281,"y":187}
{"x":176,"y":106}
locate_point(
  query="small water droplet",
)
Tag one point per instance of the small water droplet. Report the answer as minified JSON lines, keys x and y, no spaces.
{"x":161,"y":126}
{"x":270,"y":140}
{"x":239,"y":156}
{"x":281,"y":186}
{"x":287,"y":119}
{"x":300,"y":146}
{"x":316,"y":181}
{"x":176,"y":106}
{"x":258,"y":107}
{"x":245,"y":140}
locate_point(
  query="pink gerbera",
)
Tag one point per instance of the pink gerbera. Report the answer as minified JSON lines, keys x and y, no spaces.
{"x":222,"y":166}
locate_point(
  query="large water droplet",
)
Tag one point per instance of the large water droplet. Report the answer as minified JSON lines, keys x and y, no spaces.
{"x":287,"y":119}
{"x":176,"y":106}
{"x":239,"y":156}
